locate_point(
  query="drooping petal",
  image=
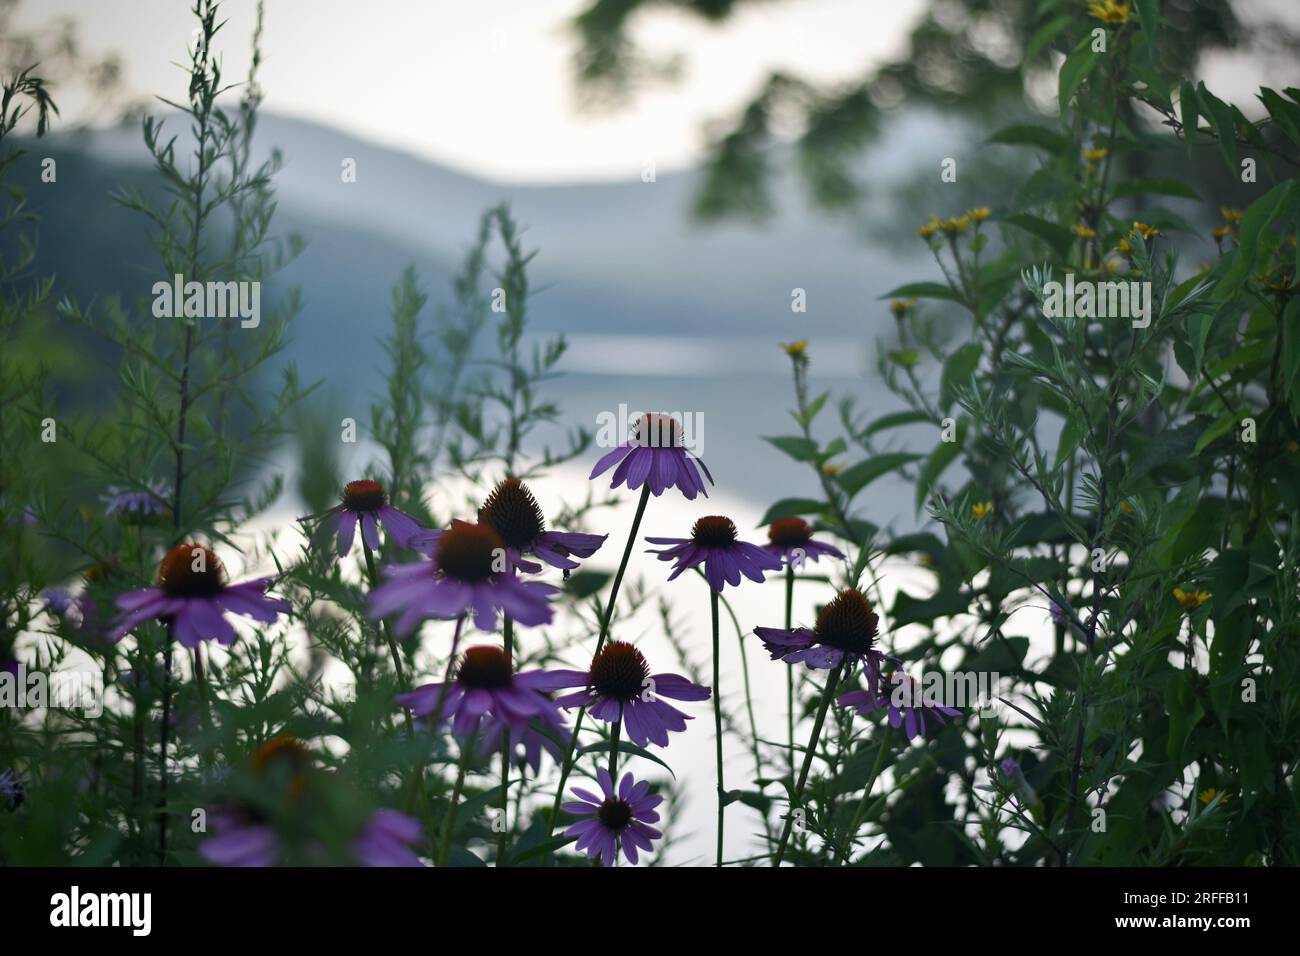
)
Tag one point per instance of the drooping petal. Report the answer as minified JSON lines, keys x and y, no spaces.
{"x":401,"y":527}
{"x":608,"y":461}
{"x":679,"y":688}
{"x":347,"y":525}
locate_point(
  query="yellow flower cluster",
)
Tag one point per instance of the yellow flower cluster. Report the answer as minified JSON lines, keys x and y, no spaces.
{"x":1191,"y":600}
{"x":1232,"y":223}
{"x":1114,"y":12}
{"x":953,"y":225}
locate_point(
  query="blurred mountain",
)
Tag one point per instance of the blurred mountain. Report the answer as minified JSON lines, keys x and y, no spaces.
{"x":661,"y":314}
{"x":615,"y":258}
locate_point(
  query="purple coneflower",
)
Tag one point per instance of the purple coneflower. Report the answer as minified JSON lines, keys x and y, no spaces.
{"x":655,"y":454}
{"x":513,"y":512}
{"x":193,"y":595}
{"x":846,"y":628}
{"x":791,"y":539}
{"x":57,"y":601}
{"x":139,"y":505}
{"x":468,"y":573}
{"x":713,"y":543}
{"x":619,"y":686}
{"x":614,"y":821}
{"x":485,"y":685}
{"x":906,"y":702}
{"x":242,"y":836}
{"x":384,"y":841}
{"x":365,"y":502}
{"x":530,"y":740}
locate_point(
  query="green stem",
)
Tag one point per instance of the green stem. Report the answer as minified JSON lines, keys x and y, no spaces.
{"x":508,"y":645}
{"x":614,"y":735}
{"x":749,"y":704}
{"x":852,"y":832}
{"x":789,"y":671}
{"x":465,"y":751}
{"x":383,"y":624}
{"x":797,"y":797}
{"x":717,"y":721}
{"x":446,"y":677}
{"x":566,"y":766}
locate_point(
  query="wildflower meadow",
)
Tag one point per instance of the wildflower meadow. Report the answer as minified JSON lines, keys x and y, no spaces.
{"x":415,"y":615}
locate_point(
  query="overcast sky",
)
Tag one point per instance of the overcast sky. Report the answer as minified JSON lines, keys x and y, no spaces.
{"x":485,"y":85}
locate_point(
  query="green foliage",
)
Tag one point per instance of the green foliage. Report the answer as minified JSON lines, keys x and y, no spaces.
{"x":1133,"y":478}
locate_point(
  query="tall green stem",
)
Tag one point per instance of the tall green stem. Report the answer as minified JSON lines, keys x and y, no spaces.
{"x":383,"y":624}
{"x":465,"y":751}
{"x":717,"y":721}
{"x":508,"y":645}
{"x":789,"y":671}
{"x":796,"y":798}
{"x":614,"y":736}
{"x":852,"y":832}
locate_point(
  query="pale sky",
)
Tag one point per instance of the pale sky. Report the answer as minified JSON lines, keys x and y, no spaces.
{"x":485,"y":86}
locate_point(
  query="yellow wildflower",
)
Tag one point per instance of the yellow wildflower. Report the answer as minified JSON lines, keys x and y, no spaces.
{"x":830,"y":469}
{"x":1083,"y":232}
{"x":980,"y":213}
{"x":1124,"y":247}
{"x":1095,"y":155}
{"x":1114,"y":12}
{"x":1191,"y":600}
{"x":1219,"y":232}
{"x":1207,"y":796}
{"x":1125,"y":507}
{"x":1231,"y":214}
{"x":982,"y":508}
{"x":955,"y":224}
{"x":795,"y":349}
{"x":1146,"y":231}
{"x":900,"y":307}
{"x":930,"y":228}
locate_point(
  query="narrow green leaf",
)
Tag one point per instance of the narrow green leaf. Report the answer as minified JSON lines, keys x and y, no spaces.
{"x":854,"y":479}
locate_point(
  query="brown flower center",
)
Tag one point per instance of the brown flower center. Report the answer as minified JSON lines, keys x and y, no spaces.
{"x":714,"y":531}
{"x":104,"y":570}
{"x":470,"y":552}
{"x":619,"y":671}
{"x":848,"y":622}
{"x":281,"y":750}
{"x":364,"y":495}
{"x":191,"y":570}
{"x":615,"y":813}
{"x":286,"y":761}
{"x":512,"y":510}
{"x":657,"y":431}
{"x":485,"y":668}
{"x":789,"y":532}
